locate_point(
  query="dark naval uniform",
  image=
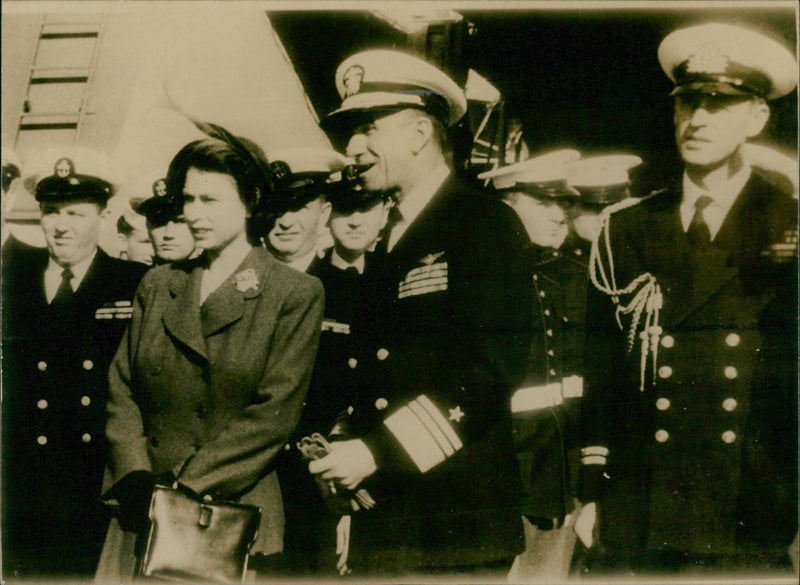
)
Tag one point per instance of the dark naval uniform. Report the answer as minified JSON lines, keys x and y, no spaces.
{"x":702,"y":458}
{"x":449,"y":331}
{"x":310,"y":533}
{"x":55,"y":385}
{"x":545,"y":408}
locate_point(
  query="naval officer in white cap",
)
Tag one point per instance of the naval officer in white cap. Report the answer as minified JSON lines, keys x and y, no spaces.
{"x":429,"y":435}
{"x":690,"y":443}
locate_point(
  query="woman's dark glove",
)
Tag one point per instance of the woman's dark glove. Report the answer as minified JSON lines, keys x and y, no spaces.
{"x":134,"y":492}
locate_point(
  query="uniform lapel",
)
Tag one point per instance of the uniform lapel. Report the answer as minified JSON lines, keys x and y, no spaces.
{"x":182,"y":314}
{"x":717,"y":265}
{"x":225,"y":306}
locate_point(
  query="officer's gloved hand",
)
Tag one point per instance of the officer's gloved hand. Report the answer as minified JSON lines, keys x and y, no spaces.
{"x":134,"y":492}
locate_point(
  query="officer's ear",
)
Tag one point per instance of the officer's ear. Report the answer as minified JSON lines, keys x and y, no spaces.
{"x":758,"y":117}
{"x":422,"y":132}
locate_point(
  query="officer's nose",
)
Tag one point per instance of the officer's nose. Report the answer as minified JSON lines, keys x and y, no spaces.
{"x":169,"y":231}
{"x":357,"y":146}
{"x":62,"y":222}
{"x":355,"y":220}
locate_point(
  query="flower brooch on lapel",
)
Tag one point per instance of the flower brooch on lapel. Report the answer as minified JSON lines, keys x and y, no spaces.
{"x":246,"y":280}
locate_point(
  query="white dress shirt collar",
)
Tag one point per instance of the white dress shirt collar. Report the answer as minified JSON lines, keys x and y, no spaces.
{"x":723,"y":199}
{"x":415,"y":201}
{"x":52,"y":275}
{"x":340,"y":262}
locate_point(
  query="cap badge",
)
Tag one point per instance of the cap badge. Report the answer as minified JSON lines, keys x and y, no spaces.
{"x":160,"y":188}
{"x":64,"y":168}
{"x":708,"y":59}
{"x":246,"y":280}
{"x":280,"y":170}
{"x":352,"y":80}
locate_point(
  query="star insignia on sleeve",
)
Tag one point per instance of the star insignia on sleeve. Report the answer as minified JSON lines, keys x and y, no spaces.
{"x":456,"y":414}
{"x":431,"y":258}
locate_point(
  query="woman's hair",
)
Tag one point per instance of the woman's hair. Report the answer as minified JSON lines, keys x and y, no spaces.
{"x":243,"y":161}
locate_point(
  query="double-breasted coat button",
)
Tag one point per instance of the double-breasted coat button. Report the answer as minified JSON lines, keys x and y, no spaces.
{"x":549,"y":333}
{"x":41,"y":366}
{"x":547,"y":312}
{"x":663,"y":404}
{"x":86,"y":437}
{"x":564,"y":319}
{"x":728,"y":437}
{"x":730,"y":404}
{"x":732,"y":339}
{"x":381,"y":403}
{"x":352,"y":362}
{"x":88,"y":365}
{"x":541,"y":294}
{"x":42,"y":404}
{"x":535,"y":277}
{"x":85,"y":400}
{"x":731,"y":373}
{"x":664,"y":372}
{"x":41,"y":439}
{"x":662,"y":435}
{"x":552,"y":372}
{"x":287,"y":447}
{"x":551,"y":353}
{"x":382,"y":354}
{"x":667,"y":341}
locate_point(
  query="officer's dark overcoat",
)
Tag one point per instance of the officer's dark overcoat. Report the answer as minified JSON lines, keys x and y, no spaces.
{"x":704,"y":459}
{"x":55,"y":385}
{"x":449,"y":327}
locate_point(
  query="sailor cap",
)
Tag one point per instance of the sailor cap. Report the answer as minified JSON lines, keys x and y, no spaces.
{"x":543,"y":176}
{"x":302,"y":174}
{"x":602,"y":180}
{"x":74,"y":173}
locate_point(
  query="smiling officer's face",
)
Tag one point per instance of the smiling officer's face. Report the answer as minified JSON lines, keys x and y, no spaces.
{"x":71,"y":229}
{"x":385,"y":143}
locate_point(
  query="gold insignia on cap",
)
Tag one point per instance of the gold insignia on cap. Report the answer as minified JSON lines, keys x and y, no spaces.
{"x":160,"y":188}
{"x":709,"y":59}
{"x":64,"y":168}
{"x":352,"y":80}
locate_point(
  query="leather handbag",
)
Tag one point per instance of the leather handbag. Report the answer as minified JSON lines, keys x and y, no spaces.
{"x":194,"y":541}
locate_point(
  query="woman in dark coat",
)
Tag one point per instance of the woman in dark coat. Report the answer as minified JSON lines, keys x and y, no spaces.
{"x":210,"y":378}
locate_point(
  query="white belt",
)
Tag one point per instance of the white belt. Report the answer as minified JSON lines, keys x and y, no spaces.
{"x":546,"y":396}
{"x":536,"y":397}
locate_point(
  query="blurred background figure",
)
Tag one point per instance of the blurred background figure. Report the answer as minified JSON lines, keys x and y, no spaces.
{"x":600,"y":181}
{"x":11,"y":175}
{"x":301,"y":176}
{"x":356,"y":219}
{"x":64,"y":311}
{"x":545,"y":408}
{"x":135,"y":243}
{"x":171,"y":237}
{"x":232,"y":336}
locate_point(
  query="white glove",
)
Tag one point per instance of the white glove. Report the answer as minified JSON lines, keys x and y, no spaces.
{"x":585,"y":524}
{"x":343,"y":544}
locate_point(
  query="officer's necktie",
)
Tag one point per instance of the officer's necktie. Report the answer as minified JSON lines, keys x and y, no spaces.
{"x":64,"y":292}
{"x":395,"y":217}
{"x":698,"y":234}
